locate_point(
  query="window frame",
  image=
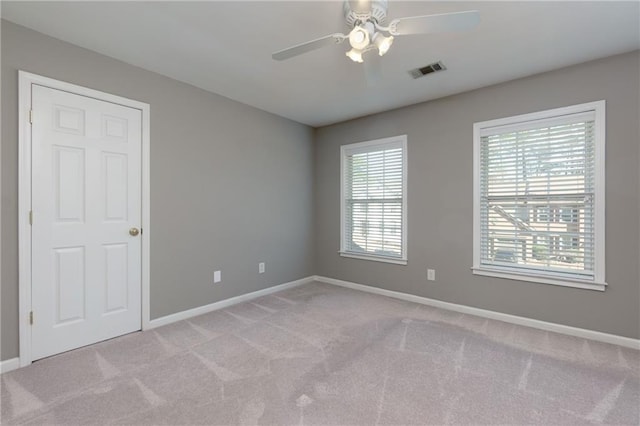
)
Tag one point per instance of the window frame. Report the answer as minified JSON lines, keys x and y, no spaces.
{"x":372,"y":146}
{"x":547,"y":277}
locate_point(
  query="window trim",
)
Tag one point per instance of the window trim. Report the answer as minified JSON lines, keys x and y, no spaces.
{"x":367,"y":146}
{"x":548,"y":277}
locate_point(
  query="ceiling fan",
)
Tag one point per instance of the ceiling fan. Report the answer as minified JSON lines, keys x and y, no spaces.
{"x":366,"y":18}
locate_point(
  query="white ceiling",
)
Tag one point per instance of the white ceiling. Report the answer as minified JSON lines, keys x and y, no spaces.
{"x":225,"y":47}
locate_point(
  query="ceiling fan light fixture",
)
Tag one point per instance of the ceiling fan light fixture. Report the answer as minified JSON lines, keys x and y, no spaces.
{"x":382,"y":43}
{"x":359,"y":38}
{"x":355,"y":55}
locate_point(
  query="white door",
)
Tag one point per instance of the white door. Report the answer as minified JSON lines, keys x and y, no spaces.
{"x":86,"y":204}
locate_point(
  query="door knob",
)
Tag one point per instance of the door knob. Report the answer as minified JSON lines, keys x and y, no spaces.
{"x":134,"y":231}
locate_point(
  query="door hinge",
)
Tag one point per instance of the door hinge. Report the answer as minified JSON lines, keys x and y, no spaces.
{"x":31,"y":318}
{"x":30,"y":217}
{"x":31,"y":116}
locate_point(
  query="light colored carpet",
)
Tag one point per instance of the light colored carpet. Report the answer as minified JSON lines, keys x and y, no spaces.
{"x":320,"y":354}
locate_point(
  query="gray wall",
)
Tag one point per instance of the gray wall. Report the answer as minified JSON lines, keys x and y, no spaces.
{"x":440,"y":185}
{"x":230,"y":185}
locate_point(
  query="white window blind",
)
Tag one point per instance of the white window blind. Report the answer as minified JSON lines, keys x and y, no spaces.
{"x":538,"y":197}
{"x":373,"y":205}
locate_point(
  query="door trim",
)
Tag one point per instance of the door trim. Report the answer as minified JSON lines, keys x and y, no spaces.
{"x":26,"y":80}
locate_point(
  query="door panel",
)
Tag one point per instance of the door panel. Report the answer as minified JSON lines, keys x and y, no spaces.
{"x":115,"y":179}
{"x":68,"y":177}
{"x":115,"y":281}
{"x":70,"y":284}
{"x":86,"y":195}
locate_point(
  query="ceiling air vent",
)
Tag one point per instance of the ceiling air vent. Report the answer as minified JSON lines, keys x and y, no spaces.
{"x":429,"y":69}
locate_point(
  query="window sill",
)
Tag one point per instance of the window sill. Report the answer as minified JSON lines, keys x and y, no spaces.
{"x":395,"y":261}
{"x":543,"y":279}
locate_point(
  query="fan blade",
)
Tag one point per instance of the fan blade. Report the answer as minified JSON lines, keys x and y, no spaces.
{"x":428,"y":24}
{"x":299,"y":49}
{"x":372,"y":67}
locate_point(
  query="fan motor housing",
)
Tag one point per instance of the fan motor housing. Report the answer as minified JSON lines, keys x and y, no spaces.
{"x":377,"y":12}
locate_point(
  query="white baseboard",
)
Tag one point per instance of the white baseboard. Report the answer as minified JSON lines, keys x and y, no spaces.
{"x":484,"y":313}
{"x":179,"y":316}
{"x":9,"y":365}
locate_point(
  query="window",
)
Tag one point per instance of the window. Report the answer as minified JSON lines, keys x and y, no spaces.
{"x":539,"y":197}
{"x":373,"y":208}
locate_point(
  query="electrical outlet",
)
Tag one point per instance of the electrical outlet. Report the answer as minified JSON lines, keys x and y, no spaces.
{"x":431,"y":274}
{"x":217,"y":276}
{"x":261,"y":268}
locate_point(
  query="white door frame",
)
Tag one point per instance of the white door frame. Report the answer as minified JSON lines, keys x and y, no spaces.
{"x":26,"y":80}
